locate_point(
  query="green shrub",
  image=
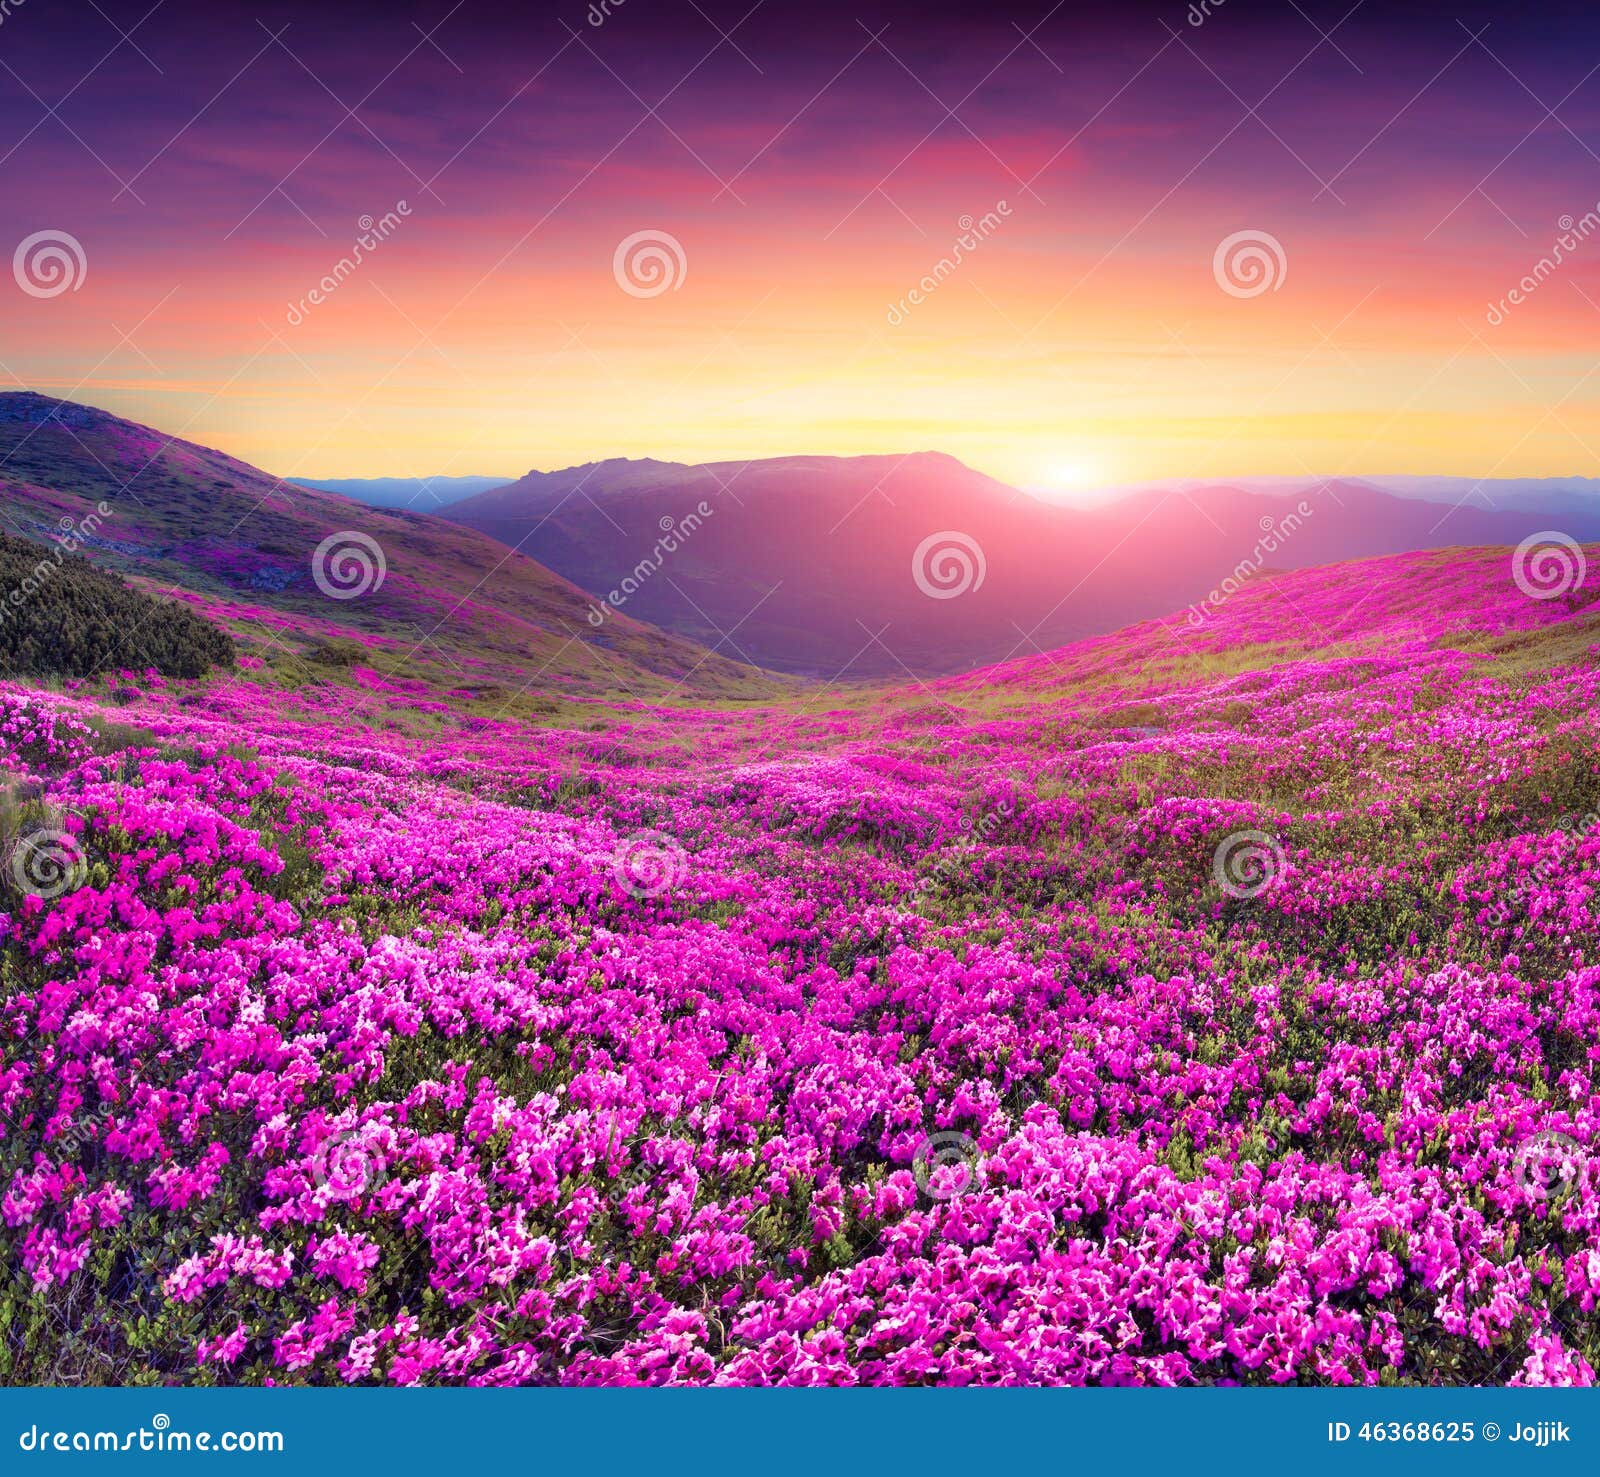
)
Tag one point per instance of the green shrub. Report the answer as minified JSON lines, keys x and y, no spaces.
{"x":60,"y":616}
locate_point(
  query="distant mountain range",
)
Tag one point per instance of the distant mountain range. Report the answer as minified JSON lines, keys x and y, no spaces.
{"x":628,"y":578}
{"x":1486,"y":493}
{"x":885,"y":566}
{"x":185,"y":520}
{"x":423,"y":494}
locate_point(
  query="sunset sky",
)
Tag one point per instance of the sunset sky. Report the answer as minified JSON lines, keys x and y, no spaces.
{"x":814,"y":162}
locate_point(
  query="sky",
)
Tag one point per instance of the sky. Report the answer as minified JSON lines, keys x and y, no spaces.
{"x":1073,"y":246}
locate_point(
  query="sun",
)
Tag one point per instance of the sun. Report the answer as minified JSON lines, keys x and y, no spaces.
{"x":1071,"y":474}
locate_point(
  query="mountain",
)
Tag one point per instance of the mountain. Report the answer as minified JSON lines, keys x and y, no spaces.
{"x":291,"y":569}
{"x":1487,"y":494}
{"x":890,"y":566}
{"x":1560,"y":495}
{"x":425,"y":494}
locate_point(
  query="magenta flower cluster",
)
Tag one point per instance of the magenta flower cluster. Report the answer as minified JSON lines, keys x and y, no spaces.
{"x":942,"y":1054}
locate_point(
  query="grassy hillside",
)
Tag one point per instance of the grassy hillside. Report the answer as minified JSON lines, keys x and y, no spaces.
{"x":1172,"y":1008}
{"x":428,"y":599}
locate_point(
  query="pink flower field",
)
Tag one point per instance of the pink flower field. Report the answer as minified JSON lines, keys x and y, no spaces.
{"x":1212,"y":1005}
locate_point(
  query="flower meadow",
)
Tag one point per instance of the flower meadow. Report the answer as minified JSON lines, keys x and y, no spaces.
{"x":1214,"y":1006}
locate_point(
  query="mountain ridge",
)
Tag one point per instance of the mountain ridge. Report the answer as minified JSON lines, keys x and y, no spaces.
{"x":829,"y":567}
{"x":282,"y":562}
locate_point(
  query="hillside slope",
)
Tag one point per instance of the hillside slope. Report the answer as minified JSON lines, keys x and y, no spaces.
{"x":284,"y":561}
{"x":1182,"y":1006}
{"x":883,"y":566}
